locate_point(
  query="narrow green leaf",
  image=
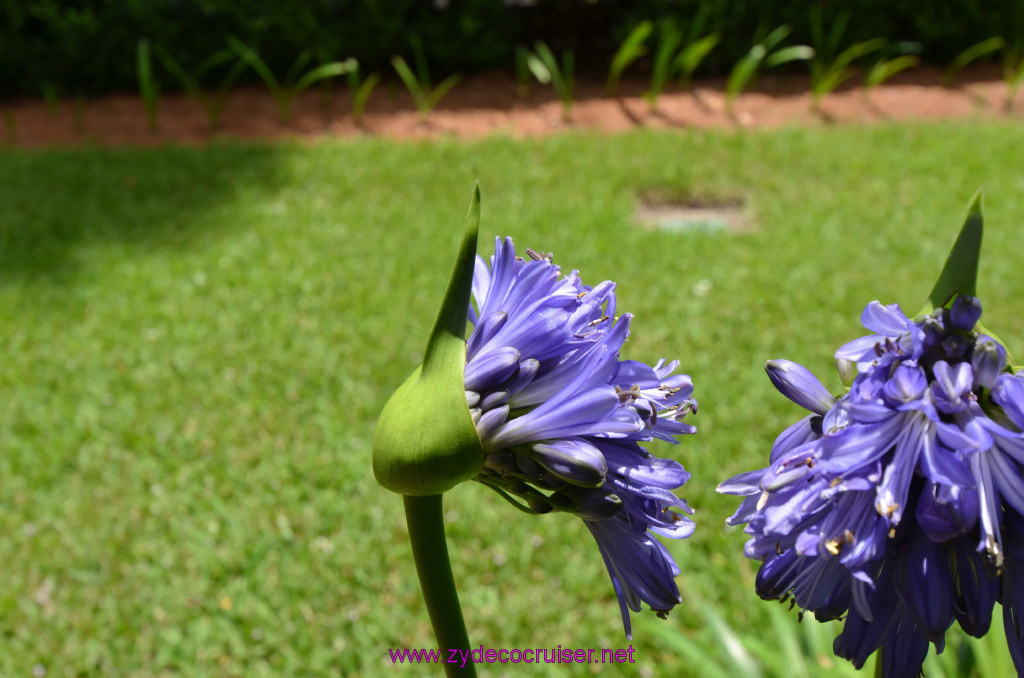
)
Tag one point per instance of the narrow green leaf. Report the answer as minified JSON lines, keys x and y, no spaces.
{"x":522,"y":72}
{"x":568,"y":77}
{"x":212,"y":61}
{"x":700,"y":20}
{"x":214,"y":102}
{"x":361,"y":95}
{"x":333,"y":69}
{"x":148,"y":86}
{"x":413,"y":85}
{"x":435,"y":96}
{"x":420,"y":59}
{"x":663,"y":66}
{"x":742,"y":72}
{"x":973,"y":52}
{"x":776,"y":36}
{"x":858,"y":50}
{"x":830,"y":82}
{"x":353,"y":78}
{"x":230,"y":77}
{"x":561,"y":79}
{"x":692,"y":56}
{"x":550,"y":64}
{"x":187,"y":82}
{"x":297,"y":67}
{"x":960,"y":273}
{"x":257,"y":64}
{"x":835,"y":36}
{"x":787,"y":54}
{"x":883,"y":70}
{"x":631,"y":49}
{"x":539,"y":70}
{"x":817,"y":28}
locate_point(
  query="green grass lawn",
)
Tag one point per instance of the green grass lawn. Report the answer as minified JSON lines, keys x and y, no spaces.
{"x":199,"y":342}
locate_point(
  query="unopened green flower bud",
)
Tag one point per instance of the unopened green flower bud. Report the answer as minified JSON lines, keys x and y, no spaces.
{"x":847,"y":370}
{"x":426,"y":442}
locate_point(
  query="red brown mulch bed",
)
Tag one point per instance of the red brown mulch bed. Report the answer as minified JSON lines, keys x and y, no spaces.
{"x":488,"y":104}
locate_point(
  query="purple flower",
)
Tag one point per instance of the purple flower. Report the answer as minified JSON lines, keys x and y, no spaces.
{"x":562,"y":419}
{"x":899,"y":505}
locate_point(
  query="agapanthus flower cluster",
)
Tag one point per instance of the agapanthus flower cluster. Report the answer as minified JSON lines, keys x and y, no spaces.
{"x":898,"y":506}
{"x":561,"y":417}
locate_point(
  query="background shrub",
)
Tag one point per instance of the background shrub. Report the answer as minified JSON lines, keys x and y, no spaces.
{"x":87,"y":47}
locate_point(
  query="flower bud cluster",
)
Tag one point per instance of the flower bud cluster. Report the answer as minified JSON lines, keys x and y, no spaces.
{"x":561,"y":418}
{"x":898,"y":506}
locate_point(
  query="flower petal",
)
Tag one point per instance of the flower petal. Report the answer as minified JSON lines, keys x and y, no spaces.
{"x":574,"y":460}
{"x":491,"y":370}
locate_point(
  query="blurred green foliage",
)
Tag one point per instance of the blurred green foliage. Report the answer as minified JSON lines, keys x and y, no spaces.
{"x":85,"y":47}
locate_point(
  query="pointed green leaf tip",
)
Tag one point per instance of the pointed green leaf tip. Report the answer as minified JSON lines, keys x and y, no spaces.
{"x":960,"y":274}
{"x":426,"y":442}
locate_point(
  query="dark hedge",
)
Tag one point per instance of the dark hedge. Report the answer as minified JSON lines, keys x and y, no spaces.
{"x":86,"y":47}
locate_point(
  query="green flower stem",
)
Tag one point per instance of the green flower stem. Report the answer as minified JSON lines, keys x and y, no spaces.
{"x":425,"y":518}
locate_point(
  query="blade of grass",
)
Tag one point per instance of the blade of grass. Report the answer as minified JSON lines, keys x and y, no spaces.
{"x":691,"y":651}
{"x":991,"y":653}
{"x":788,"y":641}
{"x":740,"y":662}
